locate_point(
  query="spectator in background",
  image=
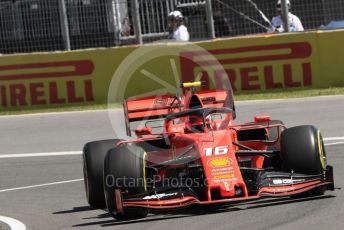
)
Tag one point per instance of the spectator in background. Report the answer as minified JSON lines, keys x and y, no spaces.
{"x":177,"y":29}
{"x":222,"y":25}
{"x":277,"y":22}
{"x":127,"y":27}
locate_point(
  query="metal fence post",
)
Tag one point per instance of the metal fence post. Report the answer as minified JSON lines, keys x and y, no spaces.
{"x":136,"y":21}
{"x":64,"y":24}
{"x":210,"y":19}
{"x":285,"y":15}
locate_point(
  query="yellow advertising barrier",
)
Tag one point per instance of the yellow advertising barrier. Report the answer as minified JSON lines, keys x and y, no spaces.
{"x":255,"y":63}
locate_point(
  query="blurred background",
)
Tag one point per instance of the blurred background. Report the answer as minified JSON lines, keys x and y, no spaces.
{"x":56,"y":25}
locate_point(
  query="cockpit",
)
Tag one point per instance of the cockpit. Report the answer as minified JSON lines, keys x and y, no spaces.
{"x":199,"y":120}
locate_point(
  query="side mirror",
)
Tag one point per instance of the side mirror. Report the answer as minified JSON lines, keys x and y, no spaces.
{"x":262,"y":118}
{"x":143,"y":131}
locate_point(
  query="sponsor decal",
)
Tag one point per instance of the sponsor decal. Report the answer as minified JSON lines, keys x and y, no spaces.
{"x":220,"y":162}
{"x":221,"y":170}
{"x":48,"y":83}
{"x":159,"y":196}
{"x":253,"y":68}
{"x":286,"y":181}
{"x":225,"y":180}
{"x":225,"y":176}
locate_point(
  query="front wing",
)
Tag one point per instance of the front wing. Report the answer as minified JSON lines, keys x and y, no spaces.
{"x":179,"y":198}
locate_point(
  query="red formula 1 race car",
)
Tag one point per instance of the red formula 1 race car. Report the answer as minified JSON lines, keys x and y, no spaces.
{"x":189,"y":151}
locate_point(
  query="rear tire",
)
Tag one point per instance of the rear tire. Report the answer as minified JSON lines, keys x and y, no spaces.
{"x":93,"y":161}
{"x":124,"y":166}
{"x":302,"y":151}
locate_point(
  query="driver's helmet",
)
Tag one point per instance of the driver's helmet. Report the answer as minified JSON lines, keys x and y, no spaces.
{"x":195,"y":124}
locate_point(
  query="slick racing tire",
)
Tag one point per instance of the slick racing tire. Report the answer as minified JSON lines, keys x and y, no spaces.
{"x":93,"y":161}
{"x":302,"y":151}
{"x":124,"y":170}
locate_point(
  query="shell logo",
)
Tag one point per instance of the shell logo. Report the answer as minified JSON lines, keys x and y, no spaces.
{"x":220,"y":162}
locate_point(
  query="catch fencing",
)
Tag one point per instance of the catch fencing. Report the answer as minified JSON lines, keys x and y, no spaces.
{"x":51,"y":25}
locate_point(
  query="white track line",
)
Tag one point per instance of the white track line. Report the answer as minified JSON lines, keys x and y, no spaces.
{"x":75,"y":153}
{"x":40,"y":185}
{"x":335,"y":143}
{"x":13,"y":223}
{"x":23,"y":155}
{"x":333,"y":139}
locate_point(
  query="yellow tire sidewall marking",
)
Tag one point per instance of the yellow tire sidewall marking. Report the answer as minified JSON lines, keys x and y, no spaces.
{"x":321,"y":152}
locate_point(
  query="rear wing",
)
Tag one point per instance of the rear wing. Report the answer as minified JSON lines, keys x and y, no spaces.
{"x":157,"y":107}
{"x":149,"y":108}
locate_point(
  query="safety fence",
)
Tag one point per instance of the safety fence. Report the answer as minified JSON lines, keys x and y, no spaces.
{"x":49,"y":25}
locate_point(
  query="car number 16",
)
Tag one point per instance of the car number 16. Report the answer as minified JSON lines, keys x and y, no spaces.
{"x":220,"y":150}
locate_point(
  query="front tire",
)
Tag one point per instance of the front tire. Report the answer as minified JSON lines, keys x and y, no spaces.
{"x":93,"y":161}
{"x":124,"y":170}
{"x":303,"y":151}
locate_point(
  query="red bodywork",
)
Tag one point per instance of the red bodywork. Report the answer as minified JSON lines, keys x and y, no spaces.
{"x":218,"y":150}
